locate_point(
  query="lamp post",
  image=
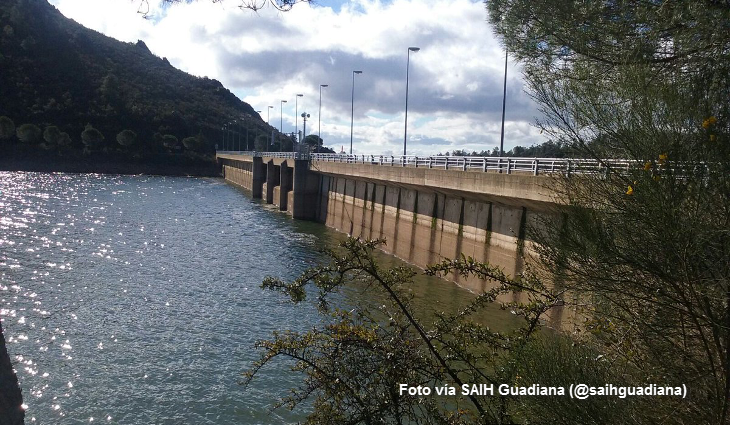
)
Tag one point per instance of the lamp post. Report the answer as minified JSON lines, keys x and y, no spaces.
{"x":352,"y":107}
{"x":240,"y":133}
{"x":232,"y":136}
{"x":296,"y":111}
{"x":319,"y":115}
{"x":236,"y":126}
{"x":223,"y":138}
{"x":281,"y":120}
{"x":408,"y":65}
{"x":304,"y":118}
{"x":268,"y":120}
{"x":504,"y":101}
{"x":257,"y":133}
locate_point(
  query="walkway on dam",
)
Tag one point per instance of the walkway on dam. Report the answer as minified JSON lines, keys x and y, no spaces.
{"x":507,"y":165}
{"x":510,"y":181}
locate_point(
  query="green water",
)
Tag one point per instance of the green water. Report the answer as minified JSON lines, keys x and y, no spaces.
{"x":136,"y":300}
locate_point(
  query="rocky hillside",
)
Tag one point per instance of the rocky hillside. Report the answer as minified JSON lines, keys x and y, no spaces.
{"x":55,"y":72}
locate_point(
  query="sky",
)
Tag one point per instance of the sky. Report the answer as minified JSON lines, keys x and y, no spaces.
{"x":455,"y":80}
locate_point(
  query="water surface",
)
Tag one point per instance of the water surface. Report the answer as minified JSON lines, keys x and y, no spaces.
{"x":137,"y":300}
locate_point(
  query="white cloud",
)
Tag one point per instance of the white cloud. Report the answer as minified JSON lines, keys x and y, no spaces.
{"x":455,"y":79}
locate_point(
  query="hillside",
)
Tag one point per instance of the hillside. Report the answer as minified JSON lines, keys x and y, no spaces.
{"x":55,"y":72}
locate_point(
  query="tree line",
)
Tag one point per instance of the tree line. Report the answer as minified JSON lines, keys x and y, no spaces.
{"x":91,"y":140}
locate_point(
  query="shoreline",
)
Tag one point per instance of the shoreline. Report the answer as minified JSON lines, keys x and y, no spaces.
{"x":105,"y":166}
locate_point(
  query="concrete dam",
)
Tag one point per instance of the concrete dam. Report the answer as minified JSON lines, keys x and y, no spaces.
{"x":427,"y":208}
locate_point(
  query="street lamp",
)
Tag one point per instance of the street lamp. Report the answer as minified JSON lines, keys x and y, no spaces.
{"x":504,"y":101}
{"x":281,"y":118}
{"x":244,"y":123}
{"x":233,"y":129}
{"x":268,"y":120}
{"x":304,"y":117}
{"x":408,"y":65}
{"x":223,"y":139}
{"x":319,"y":115}
{"x":257,"y":134}
{"x":296,"y":111}
{"x":352,"y":107}
{"x":225,"y":136}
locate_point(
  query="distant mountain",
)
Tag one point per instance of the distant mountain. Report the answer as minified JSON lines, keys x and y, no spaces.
{"x":55,"y":72}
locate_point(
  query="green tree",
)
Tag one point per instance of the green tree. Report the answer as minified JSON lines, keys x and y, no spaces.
{"x":64,"y":139}
{"x":196,"y":143}
{"x":7,"y":127}
{"x":52,"y":136}
{"x":284,"y":143}
{"x":110,"y":88}
{"x":169,"y":141}
{"x":29,"y":133}
{"x":261,"y":143}
{"x":355,"y":363}
{"x":313,"y":141}
{"x":647,"y":241}
{"x":92,"y":138}
{"x":126,"y":138}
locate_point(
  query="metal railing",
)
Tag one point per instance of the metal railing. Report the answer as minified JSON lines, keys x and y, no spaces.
{"x":285,"y":155}
{"x":506,"y":165}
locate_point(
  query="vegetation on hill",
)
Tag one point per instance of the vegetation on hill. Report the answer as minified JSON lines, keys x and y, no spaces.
{"x":58,"y":74}
{"x":547,"y":149}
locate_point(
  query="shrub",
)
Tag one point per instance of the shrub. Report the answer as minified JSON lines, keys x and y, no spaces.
{"x":7,"y":128}
{"x":52,"y":135}
{"x":91,"y":137}
{"x":28,"y":133}
{"x":169,"y":141}
{"x":196,"y":144}
{"x":126,"y":137}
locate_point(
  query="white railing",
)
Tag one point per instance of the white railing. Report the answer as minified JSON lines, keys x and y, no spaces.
{"x":286,"y":155}
{"x":533,"y":166}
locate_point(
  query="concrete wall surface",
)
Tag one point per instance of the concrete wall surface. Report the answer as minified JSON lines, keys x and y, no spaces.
{"x":510,"y":189}
{"x":424,"y":215}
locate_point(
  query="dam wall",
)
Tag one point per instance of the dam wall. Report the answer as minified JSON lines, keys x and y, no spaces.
{"x":424,"y":215}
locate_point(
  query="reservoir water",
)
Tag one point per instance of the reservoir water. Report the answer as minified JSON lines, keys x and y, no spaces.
{"x":137,"y":300}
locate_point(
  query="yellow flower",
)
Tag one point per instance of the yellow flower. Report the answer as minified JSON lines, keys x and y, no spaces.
{"x":662,"y":158}
{"x":647,"y":166}
{"x":630,"y":191}
{"x":708,"y":122}
{"x":713,"y":137}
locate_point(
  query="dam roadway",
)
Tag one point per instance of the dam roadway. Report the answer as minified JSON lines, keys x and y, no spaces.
{"x":426,"y":208}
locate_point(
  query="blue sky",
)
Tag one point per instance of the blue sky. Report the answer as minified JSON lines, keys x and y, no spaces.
{"x":455,"y":95}
{"x":336,"y":5}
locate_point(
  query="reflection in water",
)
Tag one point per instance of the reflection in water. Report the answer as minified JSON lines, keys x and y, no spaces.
{"x":136,"y":299}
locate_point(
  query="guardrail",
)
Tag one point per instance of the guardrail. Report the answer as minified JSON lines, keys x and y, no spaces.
{"x":506,"y":165}
{"x":286,"y":155}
